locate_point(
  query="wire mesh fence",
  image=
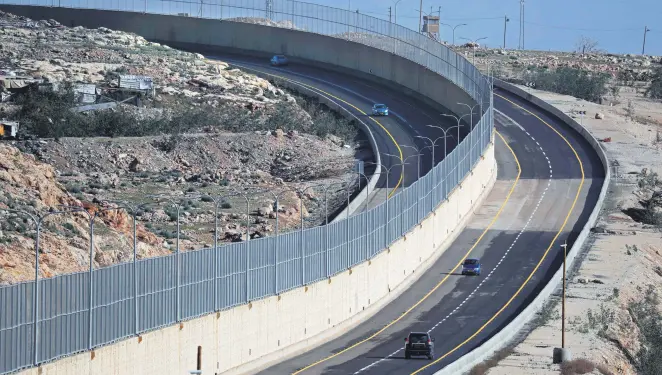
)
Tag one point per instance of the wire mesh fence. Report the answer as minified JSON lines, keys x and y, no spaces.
{"x":53,"y":317}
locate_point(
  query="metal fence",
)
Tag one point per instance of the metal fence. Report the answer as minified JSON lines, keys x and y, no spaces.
{"x":50,"y":318}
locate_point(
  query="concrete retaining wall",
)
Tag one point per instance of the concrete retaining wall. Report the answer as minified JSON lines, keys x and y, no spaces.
{"x":508,"y":333}
{"x":249,"y":337}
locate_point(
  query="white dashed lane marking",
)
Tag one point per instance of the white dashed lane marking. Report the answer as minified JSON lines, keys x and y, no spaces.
{"x":549,"y":165}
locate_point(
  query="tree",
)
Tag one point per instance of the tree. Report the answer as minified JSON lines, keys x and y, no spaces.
{"x":654,"y":91}
{"x":586,"y":45}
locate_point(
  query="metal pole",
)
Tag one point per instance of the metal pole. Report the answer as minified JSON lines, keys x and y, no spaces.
{"x":135,"y":274}
{"x":326,"y":230}
{"x":216,"y":255}
{"x":248,"y":249}
{"x":643,"y":48}
{"x":347,"y":225}
{"x":277,"y":240}
{"x":90,"y":292}
{"x":386,"y":218}
{"x":303,"y":257}
{"x":420,"y":15}
{"x":565,"y":250}
{"x":505,"y":27}
{"x":178,"y":268}
{"x":35,"y":302}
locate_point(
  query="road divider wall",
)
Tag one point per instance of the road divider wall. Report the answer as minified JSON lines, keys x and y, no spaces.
{"x":249,"y":337}
{"x":243,"y":338}
{"x":513,"y":329}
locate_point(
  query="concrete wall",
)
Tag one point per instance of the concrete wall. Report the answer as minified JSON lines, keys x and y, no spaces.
{"x":511,"y":331}
{"x":248,"y":337}
{"x":206,"y":35}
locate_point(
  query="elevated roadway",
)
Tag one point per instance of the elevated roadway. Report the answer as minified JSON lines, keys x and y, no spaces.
{"x":398,"y":134}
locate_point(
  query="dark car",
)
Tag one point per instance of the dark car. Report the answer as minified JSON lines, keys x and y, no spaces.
{"x":279,"y":60}
{"x":419,"y":343}
{"x":471,"y":267}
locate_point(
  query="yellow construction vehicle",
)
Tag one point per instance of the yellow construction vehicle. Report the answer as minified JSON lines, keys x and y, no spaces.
{"x":8,"y":129}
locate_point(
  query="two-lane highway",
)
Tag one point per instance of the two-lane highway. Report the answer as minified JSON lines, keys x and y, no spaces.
{"x":548,"y":182}
{"x":398,"y":134}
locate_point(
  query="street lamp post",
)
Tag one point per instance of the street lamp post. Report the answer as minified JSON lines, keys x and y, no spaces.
{"x":404,"y":162}
{"x":475,"y":43}
{"x":471,"y":108}
{"x":453,"y":27}
{"x":563,"y":354}
{"x":395,"y":12}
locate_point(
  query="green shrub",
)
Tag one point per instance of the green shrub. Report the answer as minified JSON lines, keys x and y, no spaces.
{"x":654,"y":91}
{"x":569,"y":81}
{"x":207,"y":199}
{"x":226,"y":205}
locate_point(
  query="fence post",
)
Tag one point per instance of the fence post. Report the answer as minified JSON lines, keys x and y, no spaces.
{"x":91,"y":293}
{"x":35,"y":303}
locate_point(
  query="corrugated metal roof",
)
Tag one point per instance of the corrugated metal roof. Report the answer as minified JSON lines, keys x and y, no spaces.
{"x":135,"y":82}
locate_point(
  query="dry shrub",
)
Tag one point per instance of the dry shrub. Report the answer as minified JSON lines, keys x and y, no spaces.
{"x":483,"y":367}
{"x":577,"y":367}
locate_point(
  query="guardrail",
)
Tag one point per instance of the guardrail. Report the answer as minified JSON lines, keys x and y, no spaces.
{"x":510,"y":331}
{"x":48,"y":318}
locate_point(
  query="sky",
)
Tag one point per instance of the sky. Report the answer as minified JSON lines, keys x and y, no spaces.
{"x":617,"y":25}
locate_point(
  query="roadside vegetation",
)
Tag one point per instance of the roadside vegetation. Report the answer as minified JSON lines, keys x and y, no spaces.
{"x":579,"y":83}
{"x":48,"y":115}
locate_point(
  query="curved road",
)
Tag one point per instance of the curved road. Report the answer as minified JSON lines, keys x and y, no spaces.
{"x":548,"y":182}
{"x":397,"y":134}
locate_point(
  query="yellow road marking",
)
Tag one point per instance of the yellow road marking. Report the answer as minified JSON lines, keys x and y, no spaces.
{"x":402,"y":173}
{"x":581,"y":167}
{"x":503,"y":205}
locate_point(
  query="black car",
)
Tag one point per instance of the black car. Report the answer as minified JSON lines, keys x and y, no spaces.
{"x":419,"y":343}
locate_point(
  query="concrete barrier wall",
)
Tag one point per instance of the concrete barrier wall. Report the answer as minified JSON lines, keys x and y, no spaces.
{"x":248,"y":337}
{"x":207,"y":35}
{"x":508,"y":333}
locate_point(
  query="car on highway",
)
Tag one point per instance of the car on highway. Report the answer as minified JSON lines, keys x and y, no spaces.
{"x":471,"y":266}
{"x":420,"y":344}
{"x":379,"y":110}
{"x":279,"y":60}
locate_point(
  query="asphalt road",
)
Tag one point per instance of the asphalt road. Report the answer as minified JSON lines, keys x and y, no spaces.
{"x":394,"y":134}
{"x":548,"y":182}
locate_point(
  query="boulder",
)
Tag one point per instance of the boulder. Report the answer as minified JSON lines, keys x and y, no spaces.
{"x":599,"y":116}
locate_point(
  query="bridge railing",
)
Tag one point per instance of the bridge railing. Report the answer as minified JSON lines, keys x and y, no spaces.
{"x":52,"y":317}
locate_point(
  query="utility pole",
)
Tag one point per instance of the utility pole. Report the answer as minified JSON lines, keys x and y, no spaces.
{"x":505,"y":27}
{"x":521,"y":25}
{"x":420,"y":16}
{"x":389,"y":14}
{"x":643,"y":48}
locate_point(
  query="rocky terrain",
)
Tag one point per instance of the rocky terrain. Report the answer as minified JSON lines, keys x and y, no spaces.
{"x":243,"y":138}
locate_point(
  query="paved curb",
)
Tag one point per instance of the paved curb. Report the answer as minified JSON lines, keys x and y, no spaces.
{"x":508,"y":333}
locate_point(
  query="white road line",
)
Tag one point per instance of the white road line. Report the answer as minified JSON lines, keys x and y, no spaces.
{"x":493,"y":269}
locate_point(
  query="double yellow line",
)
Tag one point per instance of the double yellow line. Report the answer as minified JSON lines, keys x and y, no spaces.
{"x":313,"y":88}
{"x":503,"y":205}
{"x":535,"y":269}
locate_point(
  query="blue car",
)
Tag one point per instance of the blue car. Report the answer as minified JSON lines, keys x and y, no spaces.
{"x":279,"y":60}
{"x":379,"y":110}
{"x":471,"y":267}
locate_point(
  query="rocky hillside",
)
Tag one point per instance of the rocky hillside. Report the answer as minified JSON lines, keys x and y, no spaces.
{"x":30,"y":186}
{"x":207,"y":131}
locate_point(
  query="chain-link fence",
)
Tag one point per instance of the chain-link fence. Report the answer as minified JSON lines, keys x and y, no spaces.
{"x":54,"y":317}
